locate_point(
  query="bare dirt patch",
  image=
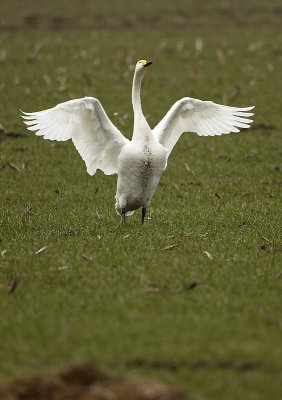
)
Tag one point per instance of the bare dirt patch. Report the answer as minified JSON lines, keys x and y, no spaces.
{"x":86,"y":383}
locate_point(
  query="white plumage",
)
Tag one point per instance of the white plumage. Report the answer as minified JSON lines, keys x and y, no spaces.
{"x":140,"y":162}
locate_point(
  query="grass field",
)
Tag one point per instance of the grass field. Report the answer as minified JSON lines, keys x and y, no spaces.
{"x":193,"y":297}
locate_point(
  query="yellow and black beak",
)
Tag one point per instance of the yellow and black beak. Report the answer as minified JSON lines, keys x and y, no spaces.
{"x":146,"y":63}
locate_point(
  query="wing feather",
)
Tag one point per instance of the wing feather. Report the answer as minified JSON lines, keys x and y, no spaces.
{"x":202,"y":117}
{"x":84,"y":121}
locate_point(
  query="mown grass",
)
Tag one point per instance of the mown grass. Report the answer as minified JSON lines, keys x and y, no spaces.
{"x":204,"y":314}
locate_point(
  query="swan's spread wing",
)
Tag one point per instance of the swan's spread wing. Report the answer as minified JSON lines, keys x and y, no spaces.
{"x":84,"y":121}
{"x":202,"y":117}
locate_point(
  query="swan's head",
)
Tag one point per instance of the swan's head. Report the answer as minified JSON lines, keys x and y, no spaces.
{"x":142,"y":64}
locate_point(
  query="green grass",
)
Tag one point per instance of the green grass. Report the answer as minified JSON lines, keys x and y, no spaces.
{"x":99,"y":295}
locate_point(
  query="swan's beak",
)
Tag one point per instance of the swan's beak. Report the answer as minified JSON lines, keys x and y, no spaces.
{"x":148,"y":63}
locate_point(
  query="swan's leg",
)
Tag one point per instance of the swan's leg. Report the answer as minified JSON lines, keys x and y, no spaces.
{"x":123,"y":214}
{"x":143,"y":214}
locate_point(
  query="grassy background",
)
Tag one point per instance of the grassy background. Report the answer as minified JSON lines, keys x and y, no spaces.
{"x":111,"y":294}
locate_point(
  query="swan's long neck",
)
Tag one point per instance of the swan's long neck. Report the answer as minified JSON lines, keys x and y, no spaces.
{"x":141,"y":127}
{"x":136,"y":89}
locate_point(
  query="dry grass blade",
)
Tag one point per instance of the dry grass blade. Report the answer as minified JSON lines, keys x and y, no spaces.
{"x":199,"y":45}
{"x":208,"y":255}
{"x":2,"y":129}
{"x":13,"y":166}
{"x":3,"y":252}
{"x":47,"y":79}
{"x":3,"y":54}
{"x":266,"y":240}
{"x":220,"y":55}
{"x":126,"y":236}
{"x":170,"y":247}
{"x":204,"y":234}
{"x":63,"y":267}
{"x":187,"y":167}
{"x":269,"y":244}
{"x":43,"y":249}
{"x":180,"y":46}
{"x":255,"y":46}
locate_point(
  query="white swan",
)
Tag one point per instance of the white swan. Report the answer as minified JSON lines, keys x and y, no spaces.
{"x":140,"y":162}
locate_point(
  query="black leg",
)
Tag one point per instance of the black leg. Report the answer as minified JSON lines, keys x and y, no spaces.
{"x":123,"y":215}
{"x":143,"y":214}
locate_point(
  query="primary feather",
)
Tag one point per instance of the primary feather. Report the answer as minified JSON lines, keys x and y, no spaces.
{"x":84,"y":121}
{"x":202,"y":117}
{"x":140,"y":162}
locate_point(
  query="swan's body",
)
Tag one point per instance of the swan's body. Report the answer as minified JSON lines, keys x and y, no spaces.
{"x":140,"y":162}
{"x":140,"y":166}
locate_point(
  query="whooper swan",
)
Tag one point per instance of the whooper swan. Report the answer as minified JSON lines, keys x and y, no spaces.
{"x":140,"y":162}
